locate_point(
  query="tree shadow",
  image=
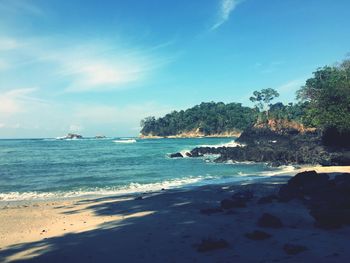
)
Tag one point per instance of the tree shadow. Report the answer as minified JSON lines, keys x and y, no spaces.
{"x":164,"y":226}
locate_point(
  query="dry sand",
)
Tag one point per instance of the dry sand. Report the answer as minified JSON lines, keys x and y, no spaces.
{"x":164,"y":227}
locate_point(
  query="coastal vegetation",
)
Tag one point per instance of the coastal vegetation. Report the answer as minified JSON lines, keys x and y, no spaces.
{"x":208,"y":118}
{"x":323,"y":103}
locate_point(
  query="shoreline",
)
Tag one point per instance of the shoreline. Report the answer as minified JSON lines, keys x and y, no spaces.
{"x":289,"y":170}
{"x":192,"y":136}
{"x":43,"y":228}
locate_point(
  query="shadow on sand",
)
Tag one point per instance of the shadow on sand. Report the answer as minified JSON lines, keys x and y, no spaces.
{"x":167,"y":226}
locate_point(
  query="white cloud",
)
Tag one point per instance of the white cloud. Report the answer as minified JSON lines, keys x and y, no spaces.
{"x":226,"y":8}
{"x":13,"y":101}
{"x":91,"y":66}
{"x":7,"y":43}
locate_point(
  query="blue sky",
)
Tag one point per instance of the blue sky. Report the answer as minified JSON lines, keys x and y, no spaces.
{"x":99,"y":67}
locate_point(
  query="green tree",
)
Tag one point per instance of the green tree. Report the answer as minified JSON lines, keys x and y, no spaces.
{"x":328,"y":96}
{"x":263,"y":98}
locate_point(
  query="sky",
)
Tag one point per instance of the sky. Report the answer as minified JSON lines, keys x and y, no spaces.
{"x":99,"y":67}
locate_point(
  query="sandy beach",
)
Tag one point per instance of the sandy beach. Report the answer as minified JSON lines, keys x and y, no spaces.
{"x":166,"y":226}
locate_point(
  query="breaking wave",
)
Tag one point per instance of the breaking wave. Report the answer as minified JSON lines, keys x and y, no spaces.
{"x":106,"y":191}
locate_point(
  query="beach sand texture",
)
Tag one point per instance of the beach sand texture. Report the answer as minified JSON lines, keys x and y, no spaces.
{"x":165,"y":226}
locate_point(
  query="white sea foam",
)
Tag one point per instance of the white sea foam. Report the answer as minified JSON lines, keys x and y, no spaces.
{"x":228,"y":144}
{"x":282,"y":170}
{"x":185,"y":152}
{"x":106,"y":191}
{"x":125,"y":141}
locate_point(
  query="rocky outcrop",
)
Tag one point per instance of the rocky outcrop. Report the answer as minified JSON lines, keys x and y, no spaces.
{"x":176,"y":155}
{"x":196,"y":133}
{"x":270,"y":221}
{"x":327,"y":199}
{"x":70,"y":136}
{"x":283,"y":147}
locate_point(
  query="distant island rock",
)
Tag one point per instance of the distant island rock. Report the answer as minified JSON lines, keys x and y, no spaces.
{"x":70,"y":136}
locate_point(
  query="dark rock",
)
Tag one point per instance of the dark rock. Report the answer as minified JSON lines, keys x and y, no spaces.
{"x":232,"y":203}
{"x":309,"y":180}
{"x":209,"y":211}
{"x":304,"y":183}
{"x":340,"y":158}
{"x":332,"y":137}
{"x":71,"y":136}
{"x":279,"y":147}
{"x":176,"y":155}
{"x":292,"y":249}
{"x":212,"y":244}
{"x":267,"y":199}
{"x":330,"y":217}
{"x":268,"y":220}
{"x":258,"y":235}
{"x":328,"y":200}
{"x":188,"y":154}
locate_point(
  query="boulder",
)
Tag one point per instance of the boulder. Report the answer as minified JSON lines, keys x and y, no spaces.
{"x":268,"y":220}
{"x":304,"y":183}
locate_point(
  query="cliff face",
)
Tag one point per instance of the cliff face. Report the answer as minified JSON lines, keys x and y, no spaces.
{"x":282,"y":125}
{"x":277,"y":126}
{"x":193,"y":134}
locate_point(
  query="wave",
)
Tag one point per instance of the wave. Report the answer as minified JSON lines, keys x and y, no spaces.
{"x":105,"y":191}
{"x":228,"y":144}
{"x":282,"y":170}
{"x":125,"y":141}
{"x":134,"y":188}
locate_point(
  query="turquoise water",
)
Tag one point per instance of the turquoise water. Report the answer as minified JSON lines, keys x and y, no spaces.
{"x":48,"y":168}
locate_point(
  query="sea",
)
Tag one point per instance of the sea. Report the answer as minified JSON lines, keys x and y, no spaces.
{"x":48,"y":169}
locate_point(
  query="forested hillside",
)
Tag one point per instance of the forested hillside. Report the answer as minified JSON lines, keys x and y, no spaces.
{"x":208,"y":118}
{"x":323,"y":103}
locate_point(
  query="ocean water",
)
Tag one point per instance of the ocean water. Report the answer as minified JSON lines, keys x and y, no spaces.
{"x":32,"y":169}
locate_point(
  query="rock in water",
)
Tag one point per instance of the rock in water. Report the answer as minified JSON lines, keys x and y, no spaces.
{"x":268,"y":220}
{"x":176,"y":155}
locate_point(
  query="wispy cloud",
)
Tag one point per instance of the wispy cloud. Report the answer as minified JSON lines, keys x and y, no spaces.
{"x":13,"y":101}
{"x":7,"y":43}
{"x":91,"y":66}
{"x":226,"y":8}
